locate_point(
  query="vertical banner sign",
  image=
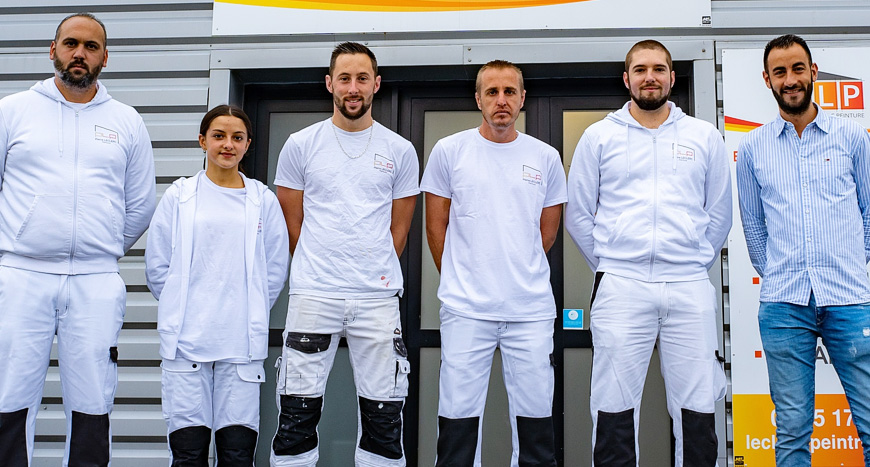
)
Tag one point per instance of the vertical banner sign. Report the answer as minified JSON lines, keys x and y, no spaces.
{"x":260,"y":17}
{"x":749,"y":104}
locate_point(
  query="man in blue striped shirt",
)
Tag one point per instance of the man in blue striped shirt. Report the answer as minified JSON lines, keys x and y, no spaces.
{"x":804,"y":188}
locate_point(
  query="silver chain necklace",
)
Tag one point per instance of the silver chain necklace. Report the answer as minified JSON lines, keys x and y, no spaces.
{"x":371,"y":132}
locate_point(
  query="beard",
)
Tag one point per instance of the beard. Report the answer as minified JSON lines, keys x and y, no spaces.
{"x":339,"y":104}
{"x":650,"y":103}
{"x":797,"y":108}
{"x":83,"y":81}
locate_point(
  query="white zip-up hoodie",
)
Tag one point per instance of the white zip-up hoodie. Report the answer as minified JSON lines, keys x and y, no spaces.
{"x":76,"y":181}
{"x":170,"y":250}
{"x":651,"y":205}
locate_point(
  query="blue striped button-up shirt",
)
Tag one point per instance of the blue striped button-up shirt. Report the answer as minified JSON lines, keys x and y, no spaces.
{"x":805,"y":207}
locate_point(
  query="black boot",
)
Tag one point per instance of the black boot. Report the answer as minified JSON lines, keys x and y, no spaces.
{"x":189,"y":446}
{"x":234,"y":446}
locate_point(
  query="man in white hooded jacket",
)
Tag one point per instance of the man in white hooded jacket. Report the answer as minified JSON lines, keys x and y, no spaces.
{"x":76,"y":191}
{"x":649,"y":206}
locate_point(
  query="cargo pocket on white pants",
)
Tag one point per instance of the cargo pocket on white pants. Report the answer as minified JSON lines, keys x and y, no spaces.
{"x":243,"y":404}
{"x":403,"y":368}
{"x":181,"y":387}
{"x":304,"y":364}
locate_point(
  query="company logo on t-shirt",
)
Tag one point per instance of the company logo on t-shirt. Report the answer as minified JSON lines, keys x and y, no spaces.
{"x":105,"y":135}
{"x":384,"y":164}
{"x":532,"y":175}
{"x":684,"y":153}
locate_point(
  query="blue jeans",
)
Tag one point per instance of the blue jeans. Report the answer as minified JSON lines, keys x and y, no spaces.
{"x":788,"y":335}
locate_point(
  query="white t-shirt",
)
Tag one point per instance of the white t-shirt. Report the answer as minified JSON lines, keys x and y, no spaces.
{"x":494,"y":266}
{"x":345,"y":249}
{"x":216,"y":322}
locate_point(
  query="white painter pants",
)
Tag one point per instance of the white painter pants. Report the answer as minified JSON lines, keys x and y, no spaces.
{"x":629,"y":317}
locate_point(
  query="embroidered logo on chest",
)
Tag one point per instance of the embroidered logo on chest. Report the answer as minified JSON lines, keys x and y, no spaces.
{"x":684,"y":153}
{"x":384,"y":164}
{"x":105,"y":135}
{"x":532,"y":175}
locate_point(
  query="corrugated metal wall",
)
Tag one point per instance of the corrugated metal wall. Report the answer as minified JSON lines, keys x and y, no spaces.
{"x":159,"y":62}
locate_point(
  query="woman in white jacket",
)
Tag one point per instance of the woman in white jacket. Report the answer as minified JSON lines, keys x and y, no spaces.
{"x":216,"y":260}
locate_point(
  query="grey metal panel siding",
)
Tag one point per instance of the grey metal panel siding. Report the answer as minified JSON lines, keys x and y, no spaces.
{"x":158,"y":63}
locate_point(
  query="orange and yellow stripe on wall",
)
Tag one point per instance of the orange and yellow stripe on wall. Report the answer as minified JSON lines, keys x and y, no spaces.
{"x":400,"y":5}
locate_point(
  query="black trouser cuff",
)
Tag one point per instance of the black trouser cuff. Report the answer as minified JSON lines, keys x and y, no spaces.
{"x":614,"y":440}
{"x":457,"y":441}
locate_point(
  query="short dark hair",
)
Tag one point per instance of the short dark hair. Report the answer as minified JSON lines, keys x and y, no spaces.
{"x":82,"y":15}
{"x":225,"y":111}
{"x":649,"y":44}
{"x":784,"y":42}
{"x":352,"y":48}
{"x":498,"y":65}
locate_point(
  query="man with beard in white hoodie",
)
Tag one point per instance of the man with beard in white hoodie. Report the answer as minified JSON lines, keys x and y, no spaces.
{"x":76,"y":191}
{"x":649,"y":206}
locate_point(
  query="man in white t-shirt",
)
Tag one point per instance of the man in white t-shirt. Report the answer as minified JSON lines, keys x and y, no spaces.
{"x":493,"y":202}
{"x":348,"y":187}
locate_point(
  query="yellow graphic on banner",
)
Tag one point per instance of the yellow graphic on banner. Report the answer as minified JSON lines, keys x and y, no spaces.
{"x":400,"y":5}
{"x":834,"y":441}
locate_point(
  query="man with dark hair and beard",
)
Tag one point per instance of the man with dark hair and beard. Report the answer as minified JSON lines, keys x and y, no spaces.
{"x":347,"y":186}
{"x":804,"y":186}
{"x":649,"y":207}
{"x":76,"y":192}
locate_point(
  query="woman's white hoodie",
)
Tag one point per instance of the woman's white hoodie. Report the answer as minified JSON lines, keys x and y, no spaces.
{"x":169,"y":253}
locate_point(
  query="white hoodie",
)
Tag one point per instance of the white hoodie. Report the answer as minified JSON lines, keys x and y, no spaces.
{"x":76,"y":181}
{"x":651,"y":205}
{"x":170,"y":250}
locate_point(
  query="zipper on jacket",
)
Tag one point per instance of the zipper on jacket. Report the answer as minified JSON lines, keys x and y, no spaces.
{"x":72,"y":247}
{"x":652,"y":255}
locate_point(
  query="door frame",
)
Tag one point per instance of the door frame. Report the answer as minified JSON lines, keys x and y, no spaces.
{"x":400,"y":105}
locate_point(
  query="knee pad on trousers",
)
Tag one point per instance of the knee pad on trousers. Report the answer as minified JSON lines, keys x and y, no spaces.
{"x":89,"y":440}
{"x":13,"y":438}
{"x":614,"y":440}
{"x":189,"y":446}
{"x":234,"y":446}
{"x":457,"y":441}
{"x":537,"y":442}
{"x":297,"y":425}
{"x":700,"y":445}
{"x":381,"y":427}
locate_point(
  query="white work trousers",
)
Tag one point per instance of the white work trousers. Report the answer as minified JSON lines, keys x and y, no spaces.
{"x":85,"y":312}
{"x":373,"y":330}
{"x":628,"y":318}
{"x":211,"y":394}
{"x":467,"y":348}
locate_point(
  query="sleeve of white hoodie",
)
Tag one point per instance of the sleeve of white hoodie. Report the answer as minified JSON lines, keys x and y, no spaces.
{"x":158,"y":251}
{"x":583,"y":182}
{"x":277,"y":243}
{"x":4,"y":140}
{"x":139,"y":188}
{"x":717,"y":195}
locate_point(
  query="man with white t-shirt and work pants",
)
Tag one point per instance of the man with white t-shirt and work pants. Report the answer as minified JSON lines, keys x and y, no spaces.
{"x":493,"y":202}
{"x":348,"y":187}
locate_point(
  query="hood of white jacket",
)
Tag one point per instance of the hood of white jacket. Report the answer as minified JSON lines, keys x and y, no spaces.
{"x":624,"y":118}
{"x":48,"y":88}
